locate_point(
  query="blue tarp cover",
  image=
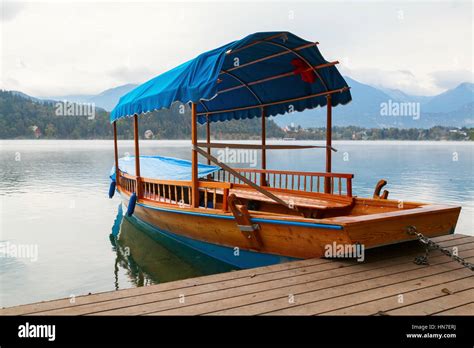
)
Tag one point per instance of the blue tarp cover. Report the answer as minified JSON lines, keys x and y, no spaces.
{"x":201,"y":79}
{"x":164,"y":168}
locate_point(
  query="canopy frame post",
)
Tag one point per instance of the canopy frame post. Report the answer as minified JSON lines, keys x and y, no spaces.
{"x":117,"y":172}
{"x":327,"y":181}
{"x":208,"y":137}
{"x":137,"y":155}
{"x":194,"y":158}
{"x":263,"y":179}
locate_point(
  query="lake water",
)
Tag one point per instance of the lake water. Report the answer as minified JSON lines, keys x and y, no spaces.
{"x":53,"y":197}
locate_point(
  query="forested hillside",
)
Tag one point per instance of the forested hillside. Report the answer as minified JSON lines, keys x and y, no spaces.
{"x":23,"y":118}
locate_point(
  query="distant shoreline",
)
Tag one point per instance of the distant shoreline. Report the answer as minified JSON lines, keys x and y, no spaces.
{"x":254,"y":140}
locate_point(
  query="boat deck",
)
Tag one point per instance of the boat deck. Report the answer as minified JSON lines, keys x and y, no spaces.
{"x":321,"y":202}
{"x":387,"y":283}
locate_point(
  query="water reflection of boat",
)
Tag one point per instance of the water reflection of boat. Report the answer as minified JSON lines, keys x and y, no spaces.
{"x":148,"y":257}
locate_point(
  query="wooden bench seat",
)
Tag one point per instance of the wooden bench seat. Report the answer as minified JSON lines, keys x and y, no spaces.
{"x":319,"y":202}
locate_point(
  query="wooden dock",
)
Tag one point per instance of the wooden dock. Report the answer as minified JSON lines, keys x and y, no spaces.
{"x":388,"y":282}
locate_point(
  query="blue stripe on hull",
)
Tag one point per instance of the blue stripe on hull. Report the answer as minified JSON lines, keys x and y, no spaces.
{"x":255,"y":220}
{"x":244,"y":259}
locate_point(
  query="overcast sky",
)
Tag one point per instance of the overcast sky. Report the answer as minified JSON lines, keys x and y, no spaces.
{"x":60,"y":47}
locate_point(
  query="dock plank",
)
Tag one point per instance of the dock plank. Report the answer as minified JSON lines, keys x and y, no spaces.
{"x":436,"y":305}
{"x":460,"y":310}
{"x":231,"y":289}
{"x":270,"y":298}
{"x":316,"y":286}
{"x":180,"y":284}
{"x":421,"y":290}
{"x":411,"y":248}
{"x":312,"y":301}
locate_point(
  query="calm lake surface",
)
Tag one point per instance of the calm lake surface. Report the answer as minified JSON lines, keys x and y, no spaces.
{"x":53,"y":197}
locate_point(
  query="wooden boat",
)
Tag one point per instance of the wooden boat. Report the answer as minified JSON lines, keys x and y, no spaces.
{"x":253,"y":217}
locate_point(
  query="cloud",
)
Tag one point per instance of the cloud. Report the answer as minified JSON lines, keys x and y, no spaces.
{"x":403,"y":80}
{"x":125,"y":74}
{"x":10,"y":9}
{"x":70,"y":47}
{"x":12,"y":84}
{"x":447,"y":79}
{"x":406,"y":81}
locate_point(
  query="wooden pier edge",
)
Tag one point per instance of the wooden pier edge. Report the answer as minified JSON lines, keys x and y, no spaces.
{"x":388,"y":282}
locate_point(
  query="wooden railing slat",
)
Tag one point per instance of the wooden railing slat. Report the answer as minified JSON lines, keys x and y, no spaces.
{"x":161,"y":190}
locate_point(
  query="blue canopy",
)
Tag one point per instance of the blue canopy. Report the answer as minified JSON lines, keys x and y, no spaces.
{"x":277,"y":70}
{"x":162,"y":168}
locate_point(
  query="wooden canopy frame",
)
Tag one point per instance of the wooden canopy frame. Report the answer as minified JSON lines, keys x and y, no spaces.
{"x":259,"y":104}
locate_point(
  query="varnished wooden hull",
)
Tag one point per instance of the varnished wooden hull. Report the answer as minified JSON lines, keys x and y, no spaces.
{"x":389,"y":228}
{"x":297,"y":237}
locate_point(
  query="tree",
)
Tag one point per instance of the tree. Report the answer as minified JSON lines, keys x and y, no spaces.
{"x":50,"y":131}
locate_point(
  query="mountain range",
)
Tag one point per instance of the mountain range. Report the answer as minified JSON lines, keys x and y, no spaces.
{"x":453,"y":108}
{"x":105,"y":100}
